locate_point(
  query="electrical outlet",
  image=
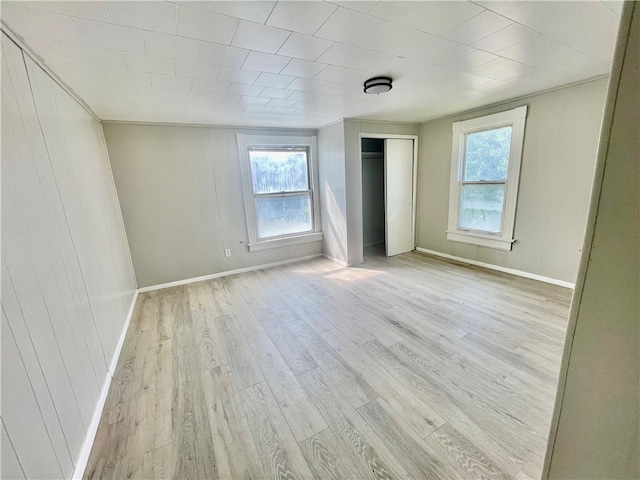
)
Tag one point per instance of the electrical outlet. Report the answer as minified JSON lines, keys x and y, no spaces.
{"x":227,"y":252}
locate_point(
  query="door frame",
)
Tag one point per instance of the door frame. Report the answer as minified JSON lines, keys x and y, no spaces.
{"x":415,"y":178}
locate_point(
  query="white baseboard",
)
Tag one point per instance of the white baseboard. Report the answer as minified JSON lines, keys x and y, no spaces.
{"x":186,"y":281}
{"x":512,"y":271}
{"x":335,"y":260}
{"x":81,"y":463}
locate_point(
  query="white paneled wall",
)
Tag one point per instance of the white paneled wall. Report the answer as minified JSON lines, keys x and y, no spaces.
{"x":67,"y":280}
{"x":181,"y":197}
{"x":333,"y":187}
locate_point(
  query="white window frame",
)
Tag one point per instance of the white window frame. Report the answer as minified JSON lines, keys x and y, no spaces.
{"x":503,"y":240}
{"x":245,"y":142}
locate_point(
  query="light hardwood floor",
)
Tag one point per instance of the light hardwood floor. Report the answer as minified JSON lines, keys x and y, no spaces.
{"x":407,"y":367}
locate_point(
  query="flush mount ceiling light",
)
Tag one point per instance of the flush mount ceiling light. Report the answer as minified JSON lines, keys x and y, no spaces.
{"x":377,"y":85}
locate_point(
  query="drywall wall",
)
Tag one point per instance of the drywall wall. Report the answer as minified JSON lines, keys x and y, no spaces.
{"x":560,"y":144}
{"x":598,"y":428}
{"x":67,"y":280}
{"x":372,"y":191}
{"x":180,"y":191}
{"x":353,"y":176}
{"x":333,"y":202}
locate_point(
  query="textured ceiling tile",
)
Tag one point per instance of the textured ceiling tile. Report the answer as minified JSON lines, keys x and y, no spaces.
{"x":222,"y":55}
{"x":308,"y":84}
{"x":265,"y":62}
{"x":208,"y":26}
{"x":171,"y":46}
{"x":141,"y":62}
{"x":347,"y":26}
{"x":170,"y":81}
{"x":301,"y":17}
{"x":253,"y":11}
{"x":304,"y":47}
{"x":259,"y":37}
{"x":193,"y":69}
{"x":281,"y":93}
{"x":110,"y":36}
{"x":155,"y":16}
{"x":238,"y":75}
{"x":91,"y":10}
{"x":302,"y":68}
{"x":213,"y":86}
{"x":272,"y":80}
{"x":42,"y":25}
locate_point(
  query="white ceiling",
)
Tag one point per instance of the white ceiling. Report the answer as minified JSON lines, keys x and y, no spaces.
{"x":302,"y":64}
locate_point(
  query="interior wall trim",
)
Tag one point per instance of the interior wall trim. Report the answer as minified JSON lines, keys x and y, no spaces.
{"x":83,"y":458}
{"x":187,"y":281}
{"x":512,"y":271}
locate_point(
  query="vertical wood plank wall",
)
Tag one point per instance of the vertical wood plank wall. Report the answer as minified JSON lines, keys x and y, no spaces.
{"x":67,"y":280}
{"x":332,"y":183}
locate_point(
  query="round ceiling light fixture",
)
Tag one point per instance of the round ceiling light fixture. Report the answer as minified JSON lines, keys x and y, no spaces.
{"x":377,"y":85}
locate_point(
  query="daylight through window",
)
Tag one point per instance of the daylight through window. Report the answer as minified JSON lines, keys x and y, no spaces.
{"x":279,"y":184}
{"x":485,"y":168}
{"x":281,"y":190}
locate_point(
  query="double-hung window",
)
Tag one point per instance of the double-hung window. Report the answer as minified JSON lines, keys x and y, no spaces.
{"x":279,"y":180}
{"x":485,"y":172}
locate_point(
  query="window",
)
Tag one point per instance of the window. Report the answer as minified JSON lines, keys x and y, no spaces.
{"x":279,"y":190}
{"x":485,"y":171}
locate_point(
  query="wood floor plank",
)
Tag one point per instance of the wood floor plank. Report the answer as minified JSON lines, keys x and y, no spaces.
{"x":244,"y":368}
{"x":357,"y":391}
{"x":192,"y":441}
{"x":290,"y":348}
{"x":462,"y":409}
{"x":207,"y":338}
{"x":367,"y":452}
{"x":302,"y":416}
{"x":404,"y":443}
{"x":327,"y":458}
{"x":156,"y":464}
{"x":406,"y":403}
{"x":278,"y":451}
{"x":405,"y":367}
{"x":236,"y":451}
{"x":474,"y":462}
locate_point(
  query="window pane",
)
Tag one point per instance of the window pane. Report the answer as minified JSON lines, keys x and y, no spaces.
{"x":279,"y":171}
{"x":283,"y":215}
{"x":482,"y":207}
{"x":488,"y":155}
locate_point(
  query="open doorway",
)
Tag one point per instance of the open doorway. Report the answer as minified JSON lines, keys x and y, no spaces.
{"x":373,"y":219}
{"x":388,"y":193}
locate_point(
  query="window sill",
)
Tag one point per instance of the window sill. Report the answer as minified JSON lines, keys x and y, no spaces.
{"x":285,"y":242}
{"x":488,"y":241}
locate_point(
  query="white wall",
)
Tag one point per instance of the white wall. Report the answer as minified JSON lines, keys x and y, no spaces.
{"x":332,"y":180}
{"x":560,"y":144}
{"x":181,"y":196}
{"x":353,"y":176}
{"x":67,"y":280}
{"x":599,"y":414}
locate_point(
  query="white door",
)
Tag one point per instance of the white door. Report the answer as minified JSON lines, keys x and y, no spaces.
{"x":398,"y":194}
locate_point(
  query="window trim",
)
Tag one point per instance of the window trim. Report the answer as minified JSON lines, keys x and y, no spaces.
{"x":503,"y":240}
{"x":245,"y":142}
